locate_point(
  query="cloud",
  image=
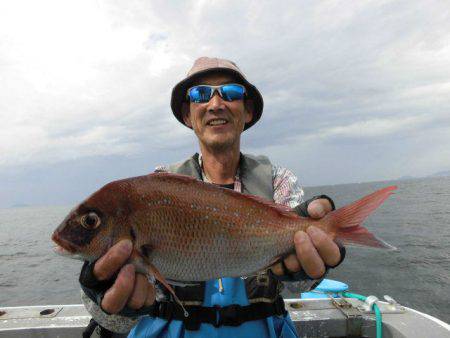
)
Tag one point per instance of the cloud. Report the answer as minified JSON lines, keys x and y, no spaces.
{"x":373,"y":128}
{"x":82,"y":79}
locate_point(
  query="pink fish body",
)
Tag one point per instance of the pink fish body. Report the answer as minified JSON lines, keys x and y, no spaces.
{"x":194,"y":231}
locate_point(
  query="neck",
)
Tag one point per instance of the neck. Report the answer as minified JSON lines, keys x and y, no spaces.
{"x":220,"y":166}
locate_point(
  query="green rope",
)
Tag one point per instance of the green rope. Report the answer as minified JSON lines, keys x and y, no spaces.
{"x":376,"y":309}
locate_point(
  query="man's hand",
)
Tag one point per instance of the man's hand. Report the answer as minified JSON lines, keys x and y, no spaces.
{"x":129,"y":288}
{"x":313,"y":248}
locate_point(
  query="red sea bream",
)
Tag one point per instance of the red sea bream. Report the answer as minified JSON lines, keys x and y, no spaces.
{"x":194,"y":231}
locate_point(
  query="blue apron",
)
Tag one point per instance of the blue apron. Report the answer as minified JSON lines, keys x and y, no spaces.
{"x":233,"y":293}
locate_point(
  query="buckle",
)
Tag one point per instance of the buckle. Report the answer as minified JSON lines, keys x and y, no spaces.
{"x":229,"y":315}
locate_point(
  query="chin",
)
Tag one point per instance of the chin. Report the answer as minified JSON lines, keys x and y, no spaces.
{"x":221,"y":144}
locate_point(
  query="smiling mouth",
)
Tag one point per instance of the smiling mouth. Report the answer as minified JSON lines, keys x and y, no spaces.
{"x":217,"y":122}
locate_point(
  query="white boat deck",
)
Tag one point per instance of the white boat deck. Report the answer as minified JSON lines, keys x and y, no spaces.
{"x":313,"y":318}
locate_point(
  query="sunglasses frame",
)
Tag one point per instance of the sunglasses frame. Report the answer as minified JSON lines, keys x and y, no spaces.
{"x":214,"y":89}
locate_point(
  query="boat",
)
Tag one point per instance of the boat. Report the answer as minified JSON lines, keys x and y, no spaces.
{"x":328,"y":311}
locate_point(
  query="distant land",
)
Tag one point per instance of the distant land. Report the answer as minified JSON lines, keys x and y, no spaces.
{"x":407,"y":177}
{"x":445,"y":173}
{"x":438,"y":174}
{"x":20,"y":205}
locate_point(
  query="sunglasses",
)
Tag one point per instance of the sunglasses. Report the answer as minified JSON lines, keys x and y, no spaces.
{"x":204,"y":93}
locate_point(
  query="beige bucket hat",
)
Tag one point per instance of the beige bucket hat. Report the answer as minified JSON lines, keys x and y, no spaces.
{"x":206,"y":65}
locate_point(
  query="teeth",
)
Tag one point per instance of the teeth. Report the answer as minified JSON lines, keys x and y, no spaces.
{"x":217,"y":122}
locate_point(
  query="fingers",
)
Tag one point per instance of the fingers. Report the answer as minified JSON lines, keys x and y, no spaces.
{"x":325,"y":246}
{"x":113,"y":260}
{"x":117,"y":296}
{"x":319,"y":208}
{"x":129,"y":288}
{"x":277,"y":269}
{"x":314,"y":249}
{"x":139,"y":294}
{"x":307,"y":255}
{"x":291,"y":262}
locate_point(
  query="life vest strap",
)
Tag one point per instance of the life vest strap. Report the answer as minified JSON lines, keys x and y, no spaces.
{"x":231,"y":315}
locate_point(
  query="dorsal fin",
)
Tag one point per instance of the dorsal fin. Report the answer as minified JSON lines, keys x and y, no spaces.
{"x":180,"y":177}
{"x":280,"y":208}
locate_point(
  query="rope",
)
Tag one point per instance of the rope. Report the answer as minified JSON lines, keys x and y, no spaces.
{"x":375,"y":308}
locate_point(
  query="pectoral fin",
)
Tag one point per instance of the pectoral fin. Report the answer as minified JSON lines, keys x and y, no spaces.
{"x":143,"y":264}
{"x":160,"y":278}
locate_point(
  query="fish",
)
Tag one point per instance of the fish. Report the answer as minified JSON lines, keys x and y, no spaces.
{"x":183,"y":229}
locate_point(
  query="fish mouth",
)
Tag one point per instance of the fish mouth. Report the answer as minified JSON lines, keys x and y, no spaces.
{"x":63,"y":247}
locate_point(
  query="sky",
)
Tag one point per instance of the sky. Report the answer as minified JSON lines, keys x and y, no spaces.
{"x":353,"y":91}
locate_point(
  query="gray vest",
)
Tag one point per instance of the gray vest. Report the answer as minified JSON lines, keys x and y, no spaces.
{"x":256,"y":179}
{"x":255,"y":171}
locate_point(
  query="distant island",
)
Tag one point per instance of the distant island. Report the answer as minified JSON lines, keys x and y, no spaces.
{"x":20,"y":205}
{"x":407,"y":177}
{"x":438,"y":174}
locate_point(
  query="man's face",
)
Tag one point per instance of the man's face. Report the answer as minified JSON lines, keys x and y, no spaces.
{"x":218,"y":124}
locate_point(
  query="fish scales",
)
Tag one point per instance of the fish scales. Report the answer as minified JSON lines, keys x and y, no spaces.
{"x":211,"y":232}
{"x":190,"y":230}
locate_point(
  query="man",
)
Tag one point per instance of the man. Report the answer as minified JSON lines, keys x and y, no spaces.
{"x":218,"y":103}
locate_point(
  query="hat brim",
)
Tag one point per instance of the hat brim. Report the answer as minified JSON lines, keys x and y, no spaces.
{"x":179,"y":94}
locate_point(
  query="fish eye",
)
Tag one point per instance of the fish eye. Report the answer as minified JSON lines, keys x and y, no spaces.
{"x":90,"y":221}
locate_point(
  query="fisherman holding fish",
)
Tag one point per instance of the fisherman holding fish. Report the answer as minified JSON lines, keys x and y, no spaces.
{"x":217,"y":102}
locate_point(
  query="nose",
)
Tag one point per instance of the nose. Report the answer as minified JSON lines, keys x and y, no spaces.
{"x":216,"y":102}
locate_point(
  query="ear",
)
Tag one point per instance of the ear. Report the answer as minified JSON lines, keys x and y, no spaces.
{"x":249,"y":109}
{"x":186,"y":114}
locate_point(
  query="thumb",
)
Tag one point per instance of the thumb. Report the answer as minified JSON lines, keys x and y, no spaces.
{"x":319,"y":208}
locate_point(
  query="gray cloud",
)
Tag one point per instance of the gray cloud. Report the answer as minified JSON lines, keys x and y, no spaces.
{"x":353,"y":91}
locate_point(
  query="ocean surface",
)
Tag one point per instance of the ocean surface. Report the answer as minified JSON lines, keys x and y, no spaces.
{"x":416,"y":220}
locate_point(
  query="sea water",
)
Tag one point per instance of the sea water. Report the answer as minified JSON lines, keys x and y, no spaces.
{"x":416,"y":220}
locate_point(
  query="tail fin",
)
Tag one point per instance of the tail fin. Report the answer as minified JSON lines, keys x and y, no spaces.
{"x":346,"y":222}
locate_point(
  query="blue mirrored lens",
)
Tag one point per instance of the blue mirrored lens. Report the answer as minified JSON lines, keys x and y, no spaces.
{"x":200,"y":94}
{"x":232,"y":92}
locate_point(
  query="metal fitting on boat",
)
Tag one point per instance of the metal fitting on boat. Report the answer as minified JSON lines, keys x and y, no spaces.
{"x":393,"y":305}
{"x":368,"y":303}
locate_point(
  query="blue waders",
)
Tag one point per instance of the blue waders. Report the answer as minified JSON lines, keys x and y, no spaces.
{"x":233,"y":293}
